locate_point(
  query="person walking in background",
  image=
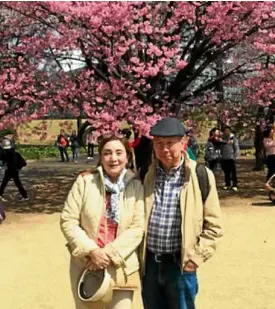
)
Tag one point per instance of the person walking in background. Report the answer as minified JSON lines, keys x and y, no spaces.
{"x":75,"y":146}
{"x":103,"y":222}
{"x":132,"y":144}
{"x":192,"y":145}
{"x":14,"y":163}
{"x":269,"y":145}
{"x":63,"y":144}
{"x":11,"y":138}
{"x":229,"y":152}
{"x":213,"y":150}
{"x":91,"y":141}
{"x":181,"y":230}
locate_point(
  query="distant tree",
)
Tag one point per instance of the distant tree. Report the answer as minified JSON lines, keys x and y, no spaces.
{"x":136,"y":61}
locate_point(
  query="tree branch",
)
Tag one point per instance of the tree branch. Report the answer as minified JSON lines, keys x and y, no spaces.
{"x":218,"y":80}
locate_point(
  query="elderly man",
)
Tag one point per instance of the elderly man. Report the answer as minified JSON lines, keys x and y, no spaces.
{"x":181,"y":231}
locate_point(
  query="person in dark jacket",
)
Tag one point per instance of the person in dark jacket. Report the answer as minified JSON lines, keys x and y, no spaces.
{"x":143,"y":154}
{"x":213,"y":150}
{"x":63,"y":144}
{"x":14,"y":163}
{"x":230,"y":151}
{"x":75,"y":145}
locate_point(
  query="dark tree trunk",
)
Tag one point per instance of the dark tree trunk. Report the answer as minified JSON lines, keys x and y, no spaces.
{"x":259,"y":149}
{"x":78,"y":121}
{"x":258,"y":142}
{"x":220,"y":89}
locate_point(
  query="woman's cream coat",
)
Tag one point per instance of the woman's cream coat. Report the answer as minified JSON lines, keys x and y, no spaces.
{"x":80,"y":220}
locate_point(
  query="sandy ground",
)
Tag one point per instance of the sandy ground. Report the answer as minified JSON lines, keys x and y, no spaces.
{"x":34,"y":261}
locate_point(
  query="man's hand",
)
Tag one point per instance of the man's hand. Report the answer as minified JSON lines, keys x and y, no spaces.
{"x":190,"y":267}
{"x":98,"y":260}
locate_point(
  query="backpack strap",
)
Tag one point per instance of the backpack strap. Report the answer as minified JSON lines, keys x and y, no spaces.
{"x":203,"y":181}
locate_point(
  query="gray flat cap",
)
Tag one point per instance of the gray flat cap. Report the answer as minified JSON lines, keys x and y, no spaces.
{"x":168,"y":127}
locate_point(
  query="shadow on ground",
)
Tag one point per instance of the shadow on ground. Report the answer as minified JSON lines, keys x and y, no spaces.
{"x":49,"y":182}
{"x":251,"y":183}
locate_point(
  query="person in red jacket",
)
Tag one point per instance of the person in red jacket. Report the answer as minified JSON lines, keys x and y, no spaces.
{"x":63,"y":144}
{"x":127,"y":134}
{"x":132,"y":144}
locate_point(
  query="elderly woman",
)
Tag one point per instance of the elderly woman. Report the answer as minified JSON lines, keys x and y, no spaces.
{"x":103,"y":222}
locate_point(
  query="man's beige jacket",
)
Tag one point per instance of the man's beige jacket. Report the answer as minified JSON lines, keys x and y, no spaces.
{"x":201,"y":224}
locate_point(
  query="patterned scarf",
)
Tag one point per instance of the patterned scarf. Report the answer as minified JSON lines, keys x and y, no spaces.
{"x":114,"y":189}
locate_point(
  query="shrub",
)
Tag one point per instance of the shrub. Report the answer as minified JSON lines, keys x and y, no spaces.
{"x":38,"y":152}
{"x":7,"y":132}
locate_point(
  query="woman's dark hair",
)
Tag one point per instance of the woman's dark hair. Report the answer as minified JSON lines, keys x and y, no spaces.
{"x":124,"y":142}
{"x":212,"y":131}
{"x":267,"y":131}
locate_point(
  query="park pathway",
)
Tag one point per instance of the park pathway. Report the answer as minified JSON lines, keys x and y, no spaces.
{"x":34,"y":261}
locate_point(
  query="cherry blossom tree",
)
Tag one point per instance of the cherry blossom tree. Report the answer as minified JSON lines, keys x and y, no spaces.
{"x":136,"y":61}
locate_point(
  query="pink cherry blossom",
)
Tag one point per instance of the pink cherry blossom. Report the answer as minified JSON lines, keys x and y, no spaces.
{"x":113,"y":61}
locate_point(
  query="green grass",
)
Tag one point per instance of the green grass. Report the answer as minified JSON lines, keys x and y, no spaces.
{"x":38,"y":152}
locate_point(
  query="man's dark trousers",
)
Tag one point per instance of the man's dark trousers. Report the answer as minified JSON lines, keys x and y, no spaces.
{"x":165,"y":287}
{"x":64,"y":154}
{"x":15,"y":176}
{"x":230,"y":173}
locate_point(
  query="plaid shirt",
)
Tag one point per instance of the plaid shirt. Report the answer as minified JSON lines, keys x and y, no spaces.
{"x":164,"y":230}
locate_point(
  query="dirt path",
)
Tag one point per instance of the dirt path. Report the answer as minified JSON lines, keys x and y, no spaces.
{"x":34,"y":260}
